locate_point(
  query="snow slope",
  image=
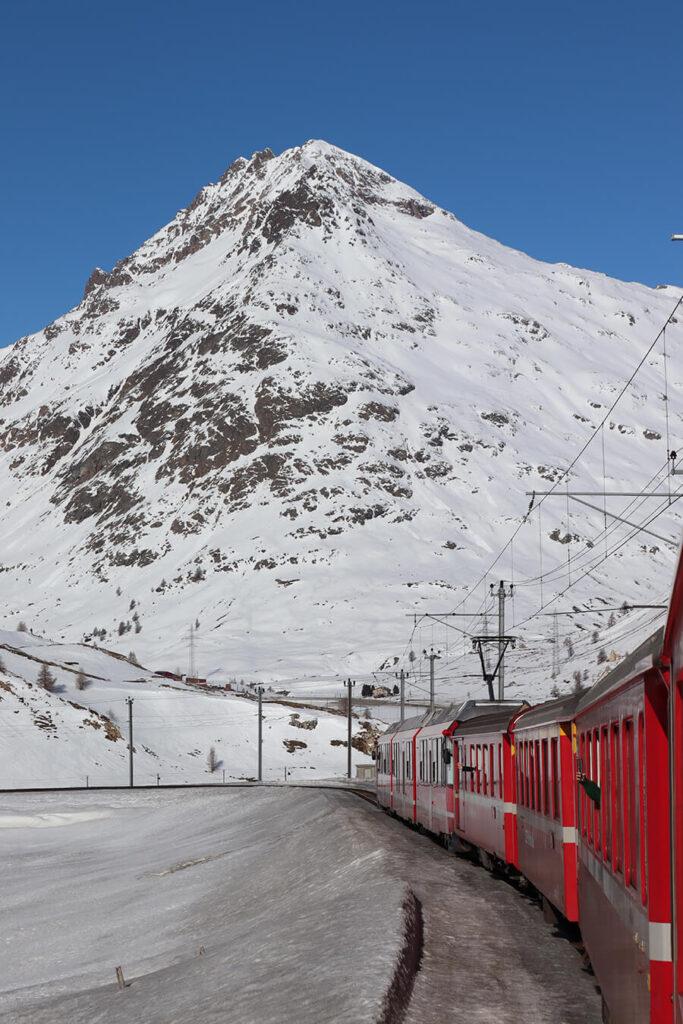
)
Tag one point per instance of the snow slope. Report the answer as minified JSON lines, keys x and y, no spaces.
{"x":73,"y":737}
{"x":315,"y":403}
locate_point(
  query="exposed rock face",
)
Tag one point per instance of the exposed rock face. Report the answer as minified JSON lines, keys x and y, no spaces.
{"x":309,"y":361}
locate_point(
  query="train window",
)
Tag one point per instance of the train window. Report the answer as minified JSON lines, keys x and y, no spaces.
{"x":616,"y":798}
{"x":517,"y":755}
{"x":588,"y":829}
{"x":539,"y":777}
{"x":583,"y":801}
{"x":546,"y":787}
{"x":605,"y":790}
{"x":484,"y":768}
{"x":532,"y":776}
{"x":408,"y":753}
{"x":630,"y":853}
{"x":448,"y":765}
{"x":478,"y":768}
{"x":500,"y":770}
{"x":435,"y":762}
{"x":598,"y":779}
{"x":554,"y":752}
{"x":473,"y":764}
{"x":521,"y":753}
{"x":527,"y":771}
{"x":641,"y":808}
{"x":491,"y":770}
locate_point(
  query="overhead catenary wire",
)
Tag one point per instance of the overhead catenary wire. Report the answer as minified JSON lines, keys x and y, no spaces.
{"x":585,"y":562}
{"x":565,"y":473}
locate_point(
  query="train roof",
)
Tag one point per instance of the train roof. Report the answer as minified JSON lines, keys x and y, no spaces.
{"x":560,"y":709}
{"x":645,"y":656}
{"x":497,"y":721}
{"x":462,"y":712}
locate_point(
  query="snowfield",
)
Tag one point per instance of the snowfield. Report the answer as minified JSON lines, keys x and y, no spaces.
{"x":287,"y":900}
{"x":262,"y":906}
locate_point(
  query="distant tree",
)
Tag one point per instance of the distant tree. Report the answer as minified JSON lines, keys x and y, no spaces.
{"x":122,"y":628}
{"x":578,"y":686}
{"x":595,"y":637}
{"x":131,"y":606}
{"x":82,"y":681}
{"x":196,"y":623}
{"x":46,"y":679}
{"x":132,"y":658}
{"x":2,"y":666}
{"x":555,"y":690}
{"x":22,"y":627}
{"x":612,"y":620}
{"x":411,"y":656}
{"x":118,"y":591}
{"x":395,"y":691}
{"x":569,"y":646}
{"x":211,"y":761}
{"x":602,"y":656}
{"x":138,"y":626}
{"x":367,"y":713}
{"x":366,"y":691}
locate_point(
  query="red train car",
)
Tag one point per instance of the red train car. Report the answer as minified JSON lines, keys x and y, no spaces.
{"x":415,"y":765}
{"x":673,"y":654}
{"x":546,"y":805}
{"x":396,"y":782}
{"x":435,"y":798}
{"x":624,"y":869}
{"x":485,"y":810}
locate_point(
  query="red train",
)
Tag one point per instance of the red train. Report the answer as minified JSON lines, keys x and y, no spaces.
{"x":499,"y":779}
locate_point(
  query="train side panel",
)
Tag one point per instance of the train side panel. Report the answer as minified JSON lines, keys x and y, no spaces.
{"x":624,"y":870}
{"x":546,"y":811}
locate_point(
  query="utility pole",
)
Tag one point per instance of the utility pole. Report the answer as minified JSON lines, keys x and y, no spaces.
{"x":432,"y":658}
{"x":350,"y":685}
{"x":192,"y":670}
{"x":502,"y":594}
{"x":260,"y":734}
{"x":129,"y":702}
{"x":403,"y":694}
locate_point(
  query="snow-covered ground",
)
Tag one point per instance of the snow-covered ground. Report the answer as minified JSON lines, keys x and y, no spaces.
{"x":259,"y":906}
{"x":288,"y":901}
{"x":73,"y":737}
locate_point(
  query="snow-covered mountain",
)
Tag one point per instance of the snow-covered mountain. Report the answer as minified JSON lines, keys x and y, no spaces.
{"x":313,"y":404}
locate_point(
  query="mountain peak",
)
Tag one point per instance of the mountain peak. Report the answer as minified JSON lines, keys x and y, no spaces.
{"x":302,"y":407}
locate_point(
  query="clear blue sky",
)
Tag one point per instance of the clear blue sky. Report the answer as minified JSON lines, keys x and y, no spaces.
{"x":555,"y":128}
